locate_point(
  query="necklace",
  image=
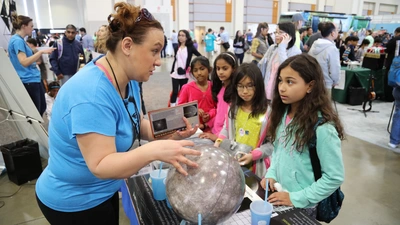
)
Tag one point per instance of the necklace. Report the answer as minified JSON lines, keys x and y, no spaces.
{"x":135,"y":126}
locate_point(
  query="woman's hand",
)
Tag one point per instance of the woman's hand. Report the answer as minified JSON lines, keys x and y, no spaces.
{"x":280,"y":198}
{"x":271,"y":184}
{"x":246,"y":159}
{"x":189,"y":131}
{"x":174,"y":152}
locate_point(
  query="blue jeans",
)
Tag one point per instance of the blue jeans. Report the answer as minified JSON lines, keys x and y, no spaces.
{"x":395,"y":132}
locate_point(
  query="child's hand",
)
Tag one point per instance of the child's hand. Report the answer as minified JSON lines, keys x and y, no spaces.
{"x":280,"y":198}
{"x":206,"y":117}
{"x":201,"y":112}
{"x":271,"y":183}
{"x":246,"y":159}
{"x":286,"y":39}
{"x":207,"y":135}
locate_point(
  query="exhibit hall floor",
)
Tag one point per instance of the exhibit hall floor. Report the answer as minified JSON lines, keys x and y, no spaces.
{"x":371,"y":184}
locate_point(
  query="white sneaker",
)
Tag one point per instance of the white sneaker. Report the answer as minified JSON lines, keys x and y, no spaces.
{"x":392,"y":145}
{"x":394,"y":148}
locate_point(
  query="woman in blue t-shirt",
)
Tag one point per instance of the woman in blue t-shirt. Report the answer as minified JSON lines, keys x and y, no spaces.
{"x":24,"y":61}
{"x":95,"y":121}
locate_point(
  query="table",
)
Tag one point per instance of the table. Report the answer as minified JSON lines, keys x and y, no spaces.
{"x":359,"y":77}
{"x":142,"y":209}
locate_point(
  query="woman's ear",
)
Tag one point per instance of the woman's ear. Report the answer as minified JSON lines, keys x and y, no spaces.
{"x":310,"y":86}
{"x":126,"y":45}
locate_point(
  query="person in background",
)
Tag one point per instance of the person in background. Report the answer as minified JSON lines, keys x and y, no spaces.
{"x":95,"y":121}
{"x":102,"y":35}
{"x":300,"y":101}
{"x":339,"y":41}
{"x":196,"y":46}
{"x":307,"y":46}
{"x":361,"y":50}
{"x":65,"y":60}
{"x":303,"y":33}
{"x":174,"y":39}
{"x":224,"y":37}
{"x":378,"y":42}
{"x":180,"y":67}
{"x":24,"y":60}
{"x":347,"y":50}
{"x":238,"y":44}
{"x":50,"y":96}
{"x":308,"y":34}
{"x":298,"y":22}
{"x":370,"y":38}
{"x":249,"y":37}
{"x":277,"y":54}
{"x":327,"y":55}
{"x":393,"y":93}
{"x":42,"y":67}
{"x":163,"y":54}
{"x":191,"y":33}
{"x":87,"y":40}
{"x":260,"y":45}
{"x":209,"y":39}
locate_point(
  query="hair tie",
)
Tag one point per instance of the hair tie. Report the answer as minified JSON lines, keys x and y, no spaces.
{"x":225,"y":53}
{"x":113,"y":25}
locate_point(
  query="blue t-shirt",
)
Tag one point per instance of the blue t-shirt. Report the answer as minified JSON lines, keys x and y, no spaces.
{"x":87,"y":103}
{"x":249,"y":36}
{"x":209,"y":40}
{"x":29,"y":74}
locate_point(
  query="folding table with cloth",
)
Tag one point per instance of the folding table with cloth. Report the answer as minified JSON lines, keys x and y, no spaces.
{"x":359,"y":77}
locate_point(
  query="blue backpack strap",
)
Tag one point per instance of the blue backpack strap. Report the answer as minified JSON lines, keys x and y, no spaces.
{"x":312,"y":148}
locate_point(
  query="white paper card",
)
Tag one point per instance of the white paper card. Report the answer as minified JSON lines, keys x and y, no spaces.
{"x":342,"y":80}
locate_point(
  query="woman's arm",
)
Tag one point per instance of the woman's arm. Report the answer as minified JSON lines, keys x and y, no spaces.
{"x":27,"y":61}
{"x":100,"y":154}
{"x":197,"y":53}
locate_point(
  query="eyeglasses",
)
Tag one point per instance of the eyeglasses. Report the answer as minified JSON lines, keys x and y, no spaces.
{"x":249,"y":87}
{"x":144,"y":14}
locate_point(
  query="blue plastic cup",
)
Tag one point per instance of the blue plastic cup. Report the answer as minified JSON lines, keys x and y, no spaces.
{"x":260,"y":212}
{"x":166,"y":197}
{"x":158,"y":185}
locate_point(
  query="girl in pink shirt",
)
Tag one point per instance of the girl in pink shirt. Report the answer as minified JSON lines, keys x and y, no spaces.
{"x":200,"y":90}
{"x":225,"y":66}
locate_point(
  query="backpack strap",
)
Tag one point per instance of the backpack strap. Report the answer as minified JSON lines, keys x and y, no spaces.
{"x":312,"y":148}
{"x":59,"y":47}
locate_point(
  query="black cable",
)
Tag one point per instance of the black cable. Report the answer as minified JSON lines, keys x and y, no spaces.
{"x":2,"y":203}
{"x":9,"y":196}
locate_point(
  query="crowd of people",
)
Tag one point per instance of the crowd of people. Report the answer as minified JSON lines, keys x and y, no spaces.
{"x":269,"y":106}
